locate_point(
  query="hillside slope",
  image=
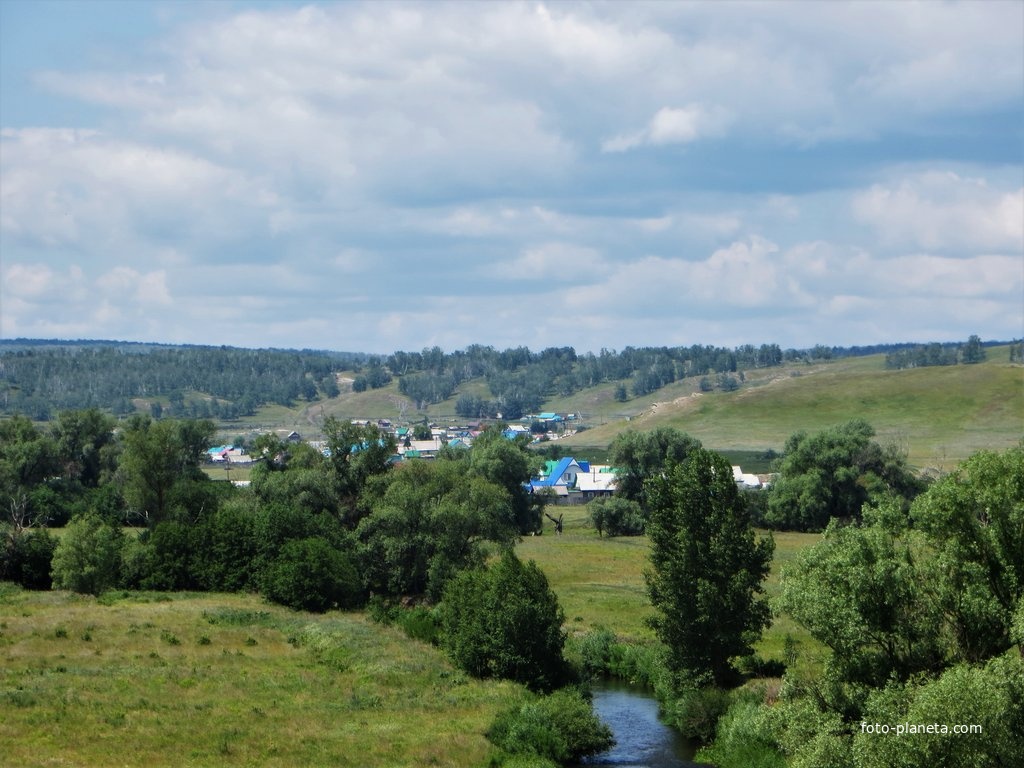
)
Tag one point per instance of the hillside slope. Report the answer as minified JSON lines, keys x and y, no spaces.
{"x":940,"y":415}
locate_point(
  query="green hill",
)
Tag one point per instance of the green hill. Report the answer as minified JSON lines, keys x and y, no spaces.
{"x":940,"y":415}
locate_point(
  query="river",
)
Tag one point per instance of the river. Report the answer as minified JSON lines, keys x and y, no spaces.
{"x":642,"y":740}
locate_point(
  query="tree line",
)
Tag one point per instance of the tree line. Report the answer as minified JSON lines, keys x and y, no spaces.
{"x":922,"y":355}
{"x":42,"y":381}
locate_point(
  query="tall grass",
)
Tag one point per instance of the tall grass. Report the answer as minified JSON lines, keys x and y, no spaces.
{"x":227,"y":680}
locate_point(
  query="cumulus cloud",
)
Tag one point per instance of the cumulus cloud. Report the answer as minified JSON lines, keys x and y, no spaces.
{"x":380,"y":175}
{"x":944,"y":211}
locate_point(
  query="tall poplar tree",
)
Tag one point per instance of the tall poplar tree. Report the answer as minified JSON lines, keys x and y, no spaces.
{"x":707,"y":569}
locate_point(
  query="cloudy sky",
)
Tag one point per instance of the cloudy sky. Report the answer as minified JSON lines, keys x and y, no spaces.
{"x":381,"y":176}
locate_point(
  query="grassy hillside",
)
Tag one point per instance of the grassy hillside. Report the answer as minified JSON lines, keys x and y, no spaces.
{"x":197,"y":680}
{"x":941,"y":415}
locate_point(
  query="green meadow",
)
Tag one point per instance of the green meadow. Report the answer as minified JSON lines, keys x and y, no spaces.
{"x":211,"y":679}
{"x":194,"y":679}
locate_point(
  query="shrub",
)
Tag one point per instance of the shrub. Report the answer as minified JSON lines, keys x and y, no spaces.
{"x":561,"y":727}
{"x":505,"y":622}
{"x":28,"y":559}
{"x":170,"y":557}
{"x":616,"y":516}
{"x":595,"y":651}
{"x":741,"y":741}
{"x":311,"y":575}
{"x":695,"y":711}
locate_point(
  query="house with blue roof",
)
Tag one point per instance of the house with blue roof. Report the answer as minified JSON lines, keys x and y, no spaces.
{"x":559,"y":479}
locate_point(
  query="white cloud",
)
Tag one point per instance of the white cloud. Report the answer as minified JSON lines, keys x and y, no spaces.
{"x":375,"y":174}
{"x":674,"y":126}
{"x":943,"y":211}
{"x":551,"y":263}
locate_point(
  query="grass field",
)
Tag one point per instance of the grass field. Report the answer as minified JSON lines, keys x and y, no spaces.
{"x":199,"y":680}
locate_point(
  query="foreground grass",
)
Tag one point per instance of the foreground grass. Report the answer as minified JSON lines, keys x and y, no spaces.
{"x":210,"y":679}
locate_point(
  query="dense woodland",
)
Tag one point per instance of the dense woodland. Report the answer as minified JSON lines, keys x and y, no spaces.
{"x":40,"y":379}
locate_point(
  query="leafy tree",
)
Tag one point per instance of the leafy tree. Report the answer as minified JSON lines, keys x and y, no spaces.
{"x":170,"y":557}
{"x":26,"y":557}
{"x":161,"y":460}
{"x":88,"y":556}
{"x":312,"y":575}
{"x":226,"y":549}
{"x":86,"y":447}
{"x":974,"y":518}
{"x":706,"y":568}
{"x":863,"y":592}
{"x":504,"y":621}
{"x":832,"y":474}
{"x":357,"y":453}
{"x":429,"y":520}
{"x":638,"y":456}
{"x":510,"y":465}
{"x":28,"y":458}
{"x":972,"y":351}
{"x":989,"y":696}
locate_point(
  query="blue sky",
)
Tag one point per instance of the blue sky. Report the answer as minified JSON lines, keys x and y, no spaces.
{"x":382,"y":176}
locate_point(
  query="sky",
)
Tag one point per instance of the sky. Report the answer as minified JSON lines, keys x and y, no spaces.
{"x":387,"y":176}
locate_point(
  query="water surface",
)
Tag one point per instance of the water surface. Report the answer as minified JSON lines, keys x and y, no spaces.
{"x":642,"y":740}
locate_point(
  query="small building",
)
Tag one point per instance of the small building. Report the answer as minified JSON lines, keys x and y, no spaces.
{"x":745,"y":480}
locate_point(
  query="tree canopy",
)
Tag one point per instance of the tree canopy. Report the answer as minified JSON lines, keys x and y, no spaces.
{"x":832,"y":474}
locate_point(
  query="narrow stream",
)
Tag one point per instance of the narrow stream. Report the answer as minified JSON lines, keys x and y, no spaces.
{"x":642,"y":740}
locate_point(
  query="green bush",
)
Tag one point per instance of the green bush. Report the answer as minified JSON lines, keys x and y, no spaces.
{"x":505,"y":621}
{"x":170,"y":559}
{"x":741,"y":742}
{"x":561,"y":727}
{"x":595,"y":651}
{"x":421,"y":624}
{"x":28,"y":558}
{"x":311,"y":575}
{"x":695,"y":711}
{"x":616,"y":516}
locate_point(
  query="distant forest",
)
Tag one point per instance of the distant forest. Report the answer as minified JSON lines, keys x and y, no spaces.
{"x":40,"y":378}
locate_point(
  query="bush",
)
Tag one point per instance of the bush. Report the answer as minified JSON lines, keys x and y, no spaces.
{"x":421,"y":624}
{"x":695,"y":711}
{"x":28,"y":559}
{"x":741,"y":741}
{"x":505,"y":622}
{"x":311,"y":575}
{"x":87,"y":559}
{"x":561,"y":727}
{"x":170,"y":558}
{"x":616,"y":516}
{"x":595,"y":651}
